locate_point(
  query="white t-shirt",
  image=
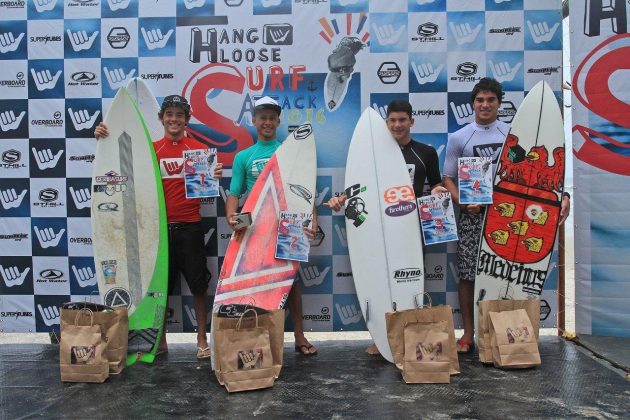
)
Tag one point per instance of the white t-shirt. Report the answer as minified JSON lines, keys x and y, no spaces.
{"x":475,"y":140}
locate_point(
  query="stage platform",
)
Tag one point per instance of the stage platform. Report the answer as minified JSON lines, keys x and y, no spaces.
{"x":342,"y":381}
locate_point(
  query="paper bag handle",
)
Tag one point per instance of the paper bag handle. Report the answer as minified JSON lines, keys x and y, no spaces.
{"x":238,"y":324}
{"x":88,"y":312}
{"x":422,"y":305}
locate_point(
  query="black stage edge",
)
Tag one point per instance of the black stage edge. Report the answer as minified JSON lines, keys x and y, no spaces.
{"x":615,"y":350}
{"x":342,"y":381}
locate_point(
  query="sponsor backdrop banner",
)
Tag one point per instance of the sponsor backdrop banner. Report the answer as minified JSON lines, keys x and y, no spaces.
{"x":324,"y":60}
{"x":600,"y":44}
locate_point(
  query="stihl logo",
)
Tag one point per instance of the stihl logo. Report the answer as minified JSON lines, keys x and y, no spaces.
{"x":172,"y":168}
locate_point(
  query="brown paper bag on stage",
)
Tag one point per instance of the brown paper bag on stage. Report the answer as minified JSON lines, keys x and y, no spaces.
{"x":244,"y":356}
{"x":115,"y":327}
{"x":82,"y":351}
{"x":396,"y":321}
{"x":514,"y":343}
{"x":273,"y":321}
{"x":531,"y":306}
{"x":426,"y":358}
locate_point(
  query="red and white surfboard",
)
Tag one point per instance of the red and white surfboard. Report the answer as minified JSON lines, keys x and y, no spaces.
{"x":250,"y":272}
{"x":521,"y":224}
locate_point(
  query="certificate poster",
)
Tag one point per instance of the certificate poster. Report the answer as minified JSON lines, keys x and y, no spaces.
{"x":474,"y":176}
{"x":293,"y":244}
{"x":199,"y":165}
{"x":437,"y":218}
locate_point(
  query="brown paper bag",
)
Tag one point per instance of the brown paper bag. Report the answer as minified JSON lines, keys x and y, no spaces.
{"x":272,"y":321}
{"x":426,"y":358}
{"x":514,"y":343}
{"x":396,"y":321}
{"x":531,"y":306}
{"x":115,"y":328}
{"x":244,"y":358}
{"x":82,"y":350}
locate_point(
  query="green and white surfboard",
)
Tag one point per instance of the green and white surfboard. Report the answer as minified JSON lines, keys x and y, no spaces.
{"x":129,"y":228}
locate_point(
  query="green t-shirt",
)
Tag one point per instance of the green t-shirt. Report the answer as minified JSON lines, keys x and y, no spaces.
{"x":249,"y":163}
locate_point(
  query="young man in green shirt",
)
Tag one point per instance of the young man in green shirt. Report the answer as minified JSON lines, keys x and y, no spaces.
{"x":247,"y":166}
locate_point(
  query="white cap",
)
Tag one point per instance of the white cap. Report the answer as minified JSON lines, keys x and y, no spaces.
{"x":266,"y":100}
{"x":267,"y":103}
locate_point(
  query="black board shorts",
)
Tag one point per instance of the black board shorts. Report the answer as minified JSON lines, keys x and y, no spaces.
{"x":187,"y":256}
{"x":469,"y":230}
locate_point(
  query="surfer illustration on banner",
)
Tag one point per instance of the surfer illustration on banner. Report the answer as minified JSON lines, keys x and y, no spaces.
{"x":342,"y":59}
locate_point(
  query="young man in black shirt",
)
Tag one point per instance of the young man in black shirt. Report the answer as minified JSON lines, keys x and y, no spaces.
{"x":421,"y":159}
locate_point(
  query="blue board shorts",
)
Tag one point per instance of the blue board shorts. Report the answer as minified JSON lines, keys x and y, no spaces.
{"x":187,"y":256}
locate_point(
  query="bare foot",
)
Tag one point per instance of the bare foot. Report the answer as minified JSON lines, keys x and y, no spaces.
{"x":372,"y":350}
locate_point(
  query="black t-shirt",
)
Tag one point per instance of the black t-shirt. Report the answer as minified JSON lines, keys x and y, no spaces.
{"x":423,"y":164}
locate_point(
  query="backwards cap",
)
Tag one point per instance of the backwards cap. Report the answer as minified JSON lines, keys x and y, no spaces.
{"x":175,"y":101}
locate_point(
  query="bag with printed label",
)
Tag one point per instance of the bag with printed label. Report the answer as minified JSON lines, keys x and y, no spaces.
{"x":244,"y":359}
{"x":114,"y":323}
{"x":82,"y":351}
{"x":531,"y":306}
{"x":396,"y":321}
{"x":426,"y":358}
{"x":514,"y":343}
{"x":273,"y":321}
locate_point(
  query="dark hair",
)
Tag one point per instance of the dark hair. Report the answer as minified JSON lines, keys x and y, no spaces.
{"x":399,"y":105}
{"x":175,"y":101}
{"x":489,"y":84}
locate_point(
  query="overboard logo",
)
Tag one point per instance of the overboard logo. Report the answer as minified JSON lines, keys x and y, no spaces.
{"x":323,"y":316}
{"x":405,"y":275}
{"x":54,"y":122}
{"x":15,"y":4}
{"x":389,"y":73}
{"x":18,"y":81}
{"x":438,"y":274}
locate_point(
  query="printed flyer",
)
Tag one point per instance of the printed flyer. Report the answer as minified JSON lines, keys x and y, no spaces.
{"x":474,"y":175}
{"x":293,"y":244}
{"x":199,"y":167}
{"x":437,"y":218}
